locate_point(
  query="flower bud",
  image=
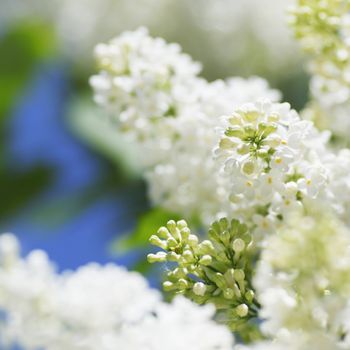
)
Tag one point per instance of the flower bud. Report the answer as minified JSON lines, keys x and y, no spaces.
{"x":238,"y":245}
{"x":242,"y":310}
{"x":199,"y":289}
{"x":206,"y":260}
{"x":155,"y":240}
{"x":159,"y":257}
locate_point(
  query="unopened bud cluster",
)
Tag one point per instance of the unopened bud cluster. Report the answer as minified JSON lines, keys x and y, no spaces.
{"x":254,"y":138}
{"x":323,"y":29}
{"x":216,"y":270}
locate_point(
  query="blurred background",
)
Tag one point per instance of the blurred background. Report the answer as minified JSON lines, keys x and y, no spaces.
{"x":67,"y":184}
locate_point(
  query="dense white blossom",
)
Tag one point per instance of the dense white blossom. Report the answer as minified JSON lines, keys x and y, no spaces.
{"x":276,"y":162}
{"x":162,"y":329}
{"x":95,"y":307}
{"x":303,"y":282}
{"x":171,"y":114}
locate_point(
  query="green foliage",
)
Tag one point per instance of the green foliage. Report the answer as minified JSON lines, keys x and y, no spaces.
{"x":22,"y":48}
{"x":18,"y":189}
{"x":149,"y":222}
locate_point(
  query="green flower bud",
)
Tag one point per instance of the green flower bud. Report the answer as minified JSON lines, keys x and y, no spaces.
{"x":163,"y":232}
{"x":185,"y":233}
{"x":172,"y":243}
{"x":249,"y":130}
{"x":155,"y":240}
{"x":193,"y":241}
{"x":168,"y":286}
{"x":229,"y":293}
{"x":181,"y":224}
{"x":238,"y":245}
{"x":182,"y":284}
{"x":159,"y":257}
{"x":249,"y":295}
{"x":188,"y":256}
{"x":239,"y":275}
{"x":206,"y":247}
{"x":242,"y":310}
{"x":199,"y":289}
{"x":206,"y":260}
{"x":235,"y":131}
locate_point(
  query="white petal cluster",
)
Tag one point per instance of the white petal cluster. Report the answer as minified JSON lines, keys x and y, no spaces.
{"x":162,"y":329}
{"x":153,"y":92}
{"x":303,"y":283}
{"x":276,"y":162}
{"x":95,"y":307}
{"x":144,"y":80}
{"x":323,"y":28}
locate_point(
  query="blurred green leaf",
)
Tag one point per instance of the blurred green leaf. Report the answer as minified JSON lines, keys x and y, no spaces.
{"x":147,"y":225}
{"x":22,"y":47}
{"x":17,"y":189}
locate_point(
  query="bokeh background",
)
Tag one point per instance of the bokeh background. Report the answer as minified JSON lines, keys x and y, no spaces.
{"x":68,"y":184}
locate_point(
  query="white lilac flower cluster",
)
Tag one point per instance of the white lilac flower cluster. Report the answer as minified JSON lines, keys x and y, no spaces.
{"x":323,"y":29}
{"x":277,"y":266}
{"x":303,"y":284}
{"x":154,"y":94}
{"x":95,"y":307}
{"x":268,"y":160}
{"x":276,"y":163}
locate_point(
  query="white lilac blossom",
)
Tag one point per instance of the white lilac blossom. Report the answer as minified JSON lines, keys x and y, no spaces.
{"x":153,"y":93}
{"x":276,"y":162}
{"x":178,"y":326}
{"x":303,"y":282}
{"x":95,"y":307}
{"x":323,"y":28}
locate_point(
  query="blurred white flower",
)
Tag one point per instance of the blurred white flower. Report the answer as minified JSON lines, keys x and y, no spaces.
{"x":323,"y":28}
{"x":244,"y":35}
{"x":303,"y":281}
{"x":178,"y":326}
{"x":95,"y":307}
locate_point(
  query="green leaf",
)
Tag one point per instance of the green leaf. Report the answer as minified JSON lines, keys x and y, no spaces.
{"x":17,"y":189}
{"x":22,"y":48}
{"x":148,"y":224}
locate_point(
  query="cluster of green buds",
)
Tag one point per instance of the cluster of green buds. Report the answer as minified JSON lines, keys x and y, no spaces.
{"x":318,"y":23}
{"x":217,"y":270}
{"x":323,"y":29}
{"x":254,"y":133}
